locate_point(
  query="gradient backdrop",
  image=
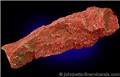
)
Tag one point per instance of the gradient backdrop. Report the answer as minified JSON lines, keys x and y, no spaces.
{"x":20,"y":18}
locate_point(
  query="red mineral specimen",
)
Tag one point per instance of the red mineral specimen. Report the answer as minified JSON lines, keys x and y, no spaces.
{"x":78,"y":30}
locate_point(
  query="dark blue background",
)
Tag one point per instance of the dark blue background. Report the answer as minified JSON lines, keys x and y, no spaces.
{"x":20,"y":18}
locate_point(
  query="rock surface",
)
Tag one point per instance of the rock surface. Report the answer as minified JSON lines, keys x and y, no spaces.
{"x":78,"y":30}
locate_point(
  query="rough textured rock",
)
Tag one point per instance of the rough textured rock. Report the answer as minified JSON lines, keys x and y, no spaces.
{"x":78,"y":30}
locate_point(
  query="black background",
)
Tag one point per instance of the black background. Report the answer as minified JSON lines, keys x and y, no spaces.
{"x":16,"y":18}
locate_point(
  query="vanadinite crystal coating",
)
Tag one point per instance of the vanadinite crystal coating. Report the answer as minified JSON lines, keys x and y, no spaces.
{"x":78,"y":30}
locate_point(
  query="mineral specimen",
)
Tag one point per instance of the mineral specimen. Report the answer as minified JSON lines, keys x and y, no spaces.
{"x":78,"y":30}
